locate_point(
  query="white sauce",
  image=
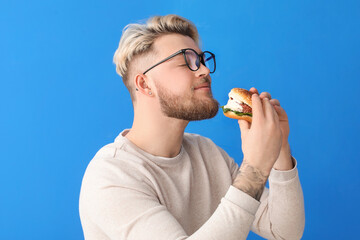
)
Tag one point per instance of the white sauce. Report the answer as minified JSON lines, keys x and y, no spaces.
{"x":233,"y":104}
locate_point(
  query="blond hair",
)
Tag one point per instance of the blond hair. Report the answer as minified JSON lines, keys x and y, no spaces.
{"x":138,"y":39}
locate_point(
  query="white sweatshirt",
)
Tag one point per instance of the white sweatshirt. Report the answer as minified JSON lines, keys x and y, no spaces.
{"x":130,"y":194}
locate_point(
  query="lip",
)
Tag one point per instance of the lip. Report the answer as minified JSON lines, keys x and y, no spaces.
{"x":203,"y":87}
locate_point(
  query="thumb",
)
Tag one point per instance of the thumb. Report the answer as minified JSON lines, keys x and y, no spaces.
{"x":244,"y":127}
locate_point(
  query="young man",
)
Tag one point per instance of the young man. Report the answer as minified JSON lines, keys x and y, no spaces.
{"x":157,"y":182}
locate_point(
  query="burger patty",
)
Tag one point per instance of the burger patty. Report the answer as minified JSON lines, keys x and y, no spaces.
{"x":246,"y":108}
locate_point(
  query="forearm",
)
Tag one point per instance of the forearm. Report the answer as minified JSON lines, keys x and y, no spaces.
{"x":281,"y":214}
{"x":287,"y":203}
{"x":284,"y":161}
{"x":250,"y":180}
{"x":126,"y":213}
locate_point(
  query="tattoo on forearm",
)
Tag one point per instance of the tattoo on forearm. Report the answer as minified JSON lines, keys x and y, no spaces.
{"x":250,"y":180}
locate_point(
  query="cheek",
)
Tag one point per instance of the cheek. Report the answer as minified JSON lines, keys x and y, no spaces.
{"x":177,"y":82}
{"x":176,"y":86}
{"x":181,"y":86}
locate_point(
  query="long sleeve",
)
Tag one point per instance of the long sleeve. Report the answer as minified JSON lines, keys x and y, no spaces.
{"x":131,"y":211}
{"x":281,"y":214}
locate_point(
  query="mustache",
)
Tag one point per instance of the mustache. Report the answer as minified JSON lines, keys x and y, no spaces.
{"x":202,"y":81}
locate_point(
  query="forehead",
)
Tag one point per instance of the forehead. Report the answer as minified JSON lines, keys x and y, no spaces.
{"x":171,"y":43}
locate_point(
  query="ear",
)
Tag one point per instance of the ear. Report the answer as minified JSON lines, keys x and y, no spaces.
{"x":141,"y":84}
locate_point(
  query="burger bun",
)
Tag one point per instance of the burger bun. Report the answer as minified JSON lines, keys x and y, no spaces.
{"x":231,"y":114}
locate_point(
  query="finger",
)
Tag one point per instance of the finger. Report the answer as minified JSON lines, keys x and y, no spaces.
{"x":244,"y":127}
{"x":276,"y":115}
{"x":281,"y":112}
{"x":275,"y":102}
{"x":265,"y":95}
{"x":269,"y":110}
{"x":253,"y":90}
{"x":257,"y":108}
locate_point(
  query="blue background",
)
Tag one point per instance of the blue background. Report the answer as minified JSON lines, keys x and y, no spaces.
{"x":61,"y":99}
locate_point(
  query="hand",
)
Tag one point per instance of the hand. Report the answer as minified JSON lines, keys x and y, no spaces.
{"x":261,"y":142}
{"x":283,"y":118}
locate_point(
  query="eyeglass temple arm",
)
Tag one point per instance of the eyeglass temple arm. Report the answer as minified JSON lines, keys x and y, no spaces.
{"x":171,"y":56}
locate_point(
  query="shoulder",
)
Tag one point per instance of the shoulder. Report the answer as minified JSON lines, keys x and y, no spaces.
{"x":112,"y":165}
{"x":107,"y":151}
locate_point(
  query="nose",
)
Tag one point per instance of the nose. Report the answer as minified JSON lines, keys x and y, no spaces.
{"x":202,"y":71}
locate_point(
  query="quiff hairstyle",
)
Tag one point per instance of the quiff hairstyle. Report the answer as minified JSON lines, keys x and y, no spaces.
{"x":137,"y":40}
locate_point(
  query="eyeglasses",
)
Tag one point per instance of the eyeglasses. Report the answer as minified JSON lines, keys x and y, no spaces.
{"x":193,"y":60}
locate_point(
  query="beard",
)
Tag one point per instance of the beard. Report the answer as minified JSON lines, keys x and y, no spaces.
{"x":187,"y":107}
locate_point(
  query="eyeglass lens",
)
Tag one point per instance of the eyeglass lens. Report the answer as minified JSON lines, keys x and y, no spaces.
{"x":193,"y":60}
{"x":209,"y":61}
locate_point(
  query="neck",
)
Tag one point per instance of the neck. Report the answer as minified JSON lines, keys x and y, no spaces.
{"x":155,"y":133}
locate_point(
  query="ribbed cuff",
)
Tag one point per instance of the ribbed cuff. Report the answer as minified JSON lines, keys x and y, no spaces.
{"x":242,"y":200}
{"x":283,"y":176}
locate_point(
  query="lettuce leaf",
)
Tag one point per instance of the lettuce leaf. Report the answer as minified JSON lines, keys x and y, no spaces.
{"x":236,"y":112}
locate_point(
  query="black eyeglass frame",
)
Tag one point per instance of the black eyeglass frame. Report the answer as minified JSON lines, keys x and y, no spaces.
{"x":200,"y":56}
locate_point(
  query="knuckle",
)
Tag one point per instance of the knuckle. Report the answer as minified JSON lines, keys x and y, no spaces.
{"x":275,"y":101}
{"x":266,"y":94}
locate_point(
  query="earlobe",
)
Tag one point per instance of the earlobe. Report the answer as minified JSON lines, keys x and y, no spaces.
{"x":141,"y":84}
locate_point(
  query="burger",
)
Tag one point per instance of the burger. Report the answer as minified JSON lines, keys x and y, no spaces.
{"x":239,"y":105}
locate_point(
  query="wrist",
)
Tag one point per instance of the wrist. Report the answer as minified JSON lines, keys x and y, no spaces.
{"x":284,"y":161}
{"x":250,"y":180}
